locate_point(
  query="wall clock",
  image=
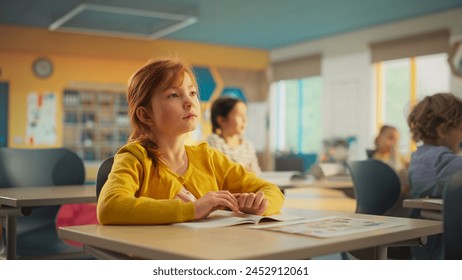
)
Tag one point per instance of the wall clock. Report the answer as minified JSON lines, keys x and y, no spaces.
{"x":42,"y":67}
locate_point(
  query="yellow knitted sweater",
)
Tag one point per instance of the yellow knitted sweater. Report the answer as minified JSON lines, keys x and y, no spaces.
{"x":137,"y":192}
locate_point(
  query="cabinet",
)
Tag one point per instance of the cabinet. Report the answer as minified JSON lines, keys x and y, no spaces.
{"x":95,"y":122}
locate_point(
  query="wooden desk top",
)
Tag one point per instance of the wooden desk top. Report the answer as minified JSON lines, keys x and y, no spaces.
{"x":332,"y":184}
{"x":285,"y":183}
{"x":239,"y":242}
{"x":48,"y":195}
{"x":424,"y":203}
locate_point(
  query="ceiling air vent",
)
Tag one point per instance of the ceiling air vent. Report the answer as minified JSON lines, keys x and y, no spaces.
{"x":121,"y":21}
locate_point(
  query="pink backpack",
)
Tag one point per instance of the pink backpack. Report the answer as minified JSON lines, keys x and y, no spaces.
{"x":76,"y":214}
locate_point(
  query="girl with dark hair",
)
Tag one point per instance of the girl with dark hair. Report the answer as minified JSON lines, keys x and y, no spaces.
{"x":229,"y":119}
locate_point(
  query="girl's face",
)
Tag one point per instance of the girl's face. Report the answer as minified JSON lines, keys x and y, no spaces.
{"x":387,"y":140}
{"x":236,"y":120}
{"x":176,"y":110}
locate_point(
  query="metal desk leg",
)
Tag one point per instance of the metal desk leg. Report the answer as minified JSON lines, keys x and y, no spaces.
{"x":381,"y":253}
{"x":10,"y":227}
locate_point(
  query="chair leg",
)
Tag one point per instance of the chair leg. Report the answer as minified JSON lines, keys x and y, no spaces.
{"x":381,"y":253}
{"x":10,"y":227}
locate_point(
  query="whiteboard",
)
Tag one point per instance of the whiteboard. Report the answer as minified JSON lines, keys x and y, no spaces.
{"x":257,"y":130}
{"x":344,"y":110}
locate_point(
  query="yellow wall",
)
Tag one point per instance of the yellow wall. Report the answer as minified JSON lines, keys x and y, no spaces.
{"x":91,"y":59}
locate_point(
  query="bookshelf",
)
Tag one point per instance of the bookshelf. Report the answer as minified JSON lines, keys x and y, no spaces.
{"x":95,"y":122}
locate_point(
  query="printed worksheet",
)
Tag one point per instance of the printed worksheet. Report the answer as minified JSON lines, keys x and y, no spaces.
{"x":328,"y":227}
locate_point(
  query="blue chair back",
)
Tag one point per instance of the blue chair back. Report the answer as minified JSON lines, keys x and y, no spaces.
{"x":370,"y":153}
{"x":295,"y":162}
{"x":287,"y":163}
{"x":452,"y":217}
{"x":40,"y":167}
{"x":36,"y":233}
{"x":377,"y":190}
{"x":377,"y":186}
{"x":103,"y":172}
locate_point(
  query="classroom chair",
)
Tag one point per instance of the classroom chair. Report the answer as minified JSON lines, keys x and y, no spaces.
{"x":289,"y":163}
{"x":370,"y":153}
{"x":36,"y":232}
{"x":101,"y":178}
{"x":452,"y":218}
{"x":102,"y":174}
{"x":295,"y":162}
{"x":376,"y":185}
{"x":377,"y":191}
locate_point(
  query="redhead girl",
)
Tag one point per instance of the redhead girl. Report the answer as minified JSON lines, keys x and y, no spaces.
{"x":156,"y":178}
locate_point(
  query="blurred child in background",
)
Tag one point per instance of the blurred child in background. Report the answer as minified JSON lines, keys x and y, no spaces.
{"x":229,"y":119}
{"x":387,"y":150}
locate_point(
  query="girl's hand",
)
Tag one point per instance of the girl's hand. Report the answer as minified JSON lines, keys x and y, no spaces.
{"x":213,"y":201}
{"x":252,"y":203}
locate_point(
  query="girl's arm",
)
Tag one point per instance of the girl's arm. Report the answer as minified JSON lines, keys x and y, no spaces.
{"x":120,"y":203}
{"x":235,"y":178}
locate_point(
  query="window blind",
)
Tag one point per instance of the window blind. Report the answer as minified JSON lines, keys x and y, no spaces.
{"x":297,"y":68}
{"x":411,"y":46}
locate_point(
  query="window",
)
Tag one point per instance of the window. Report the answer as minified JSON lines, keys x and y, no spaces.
{"x":401,"y":83}
{"x":296,"y":127}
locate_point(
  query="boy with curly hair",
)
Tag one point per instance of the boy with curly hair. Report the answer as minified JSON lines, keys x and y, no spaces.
{"x":436,"y":125}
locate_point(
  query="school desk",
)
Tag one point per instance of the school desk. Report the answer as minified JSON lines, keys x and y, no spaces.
{"x":240,"y":242}
{"x":16,"y":201}
{"x":283,"y":181}
{"x":430,"y":208}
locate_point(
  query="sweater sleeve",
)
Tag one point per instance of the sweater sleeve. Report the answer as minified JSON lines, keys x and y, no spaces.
{"x":235,"y":178}
{"x":120,"y":201}
{"x":446,"y":164}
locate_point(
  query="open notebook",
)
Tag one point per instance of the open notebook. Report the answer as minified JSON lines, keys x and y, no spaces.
{"x":221,"y":218}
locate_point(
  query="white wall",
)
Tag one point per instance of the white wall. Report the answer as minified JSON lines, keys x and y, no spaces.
{"x":346,"y":64}
{"x":348,"y":98}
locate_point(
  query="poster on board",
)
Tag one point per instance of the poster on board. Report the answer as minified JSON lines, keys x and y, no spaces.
{"x":41,"y":118}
